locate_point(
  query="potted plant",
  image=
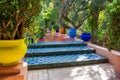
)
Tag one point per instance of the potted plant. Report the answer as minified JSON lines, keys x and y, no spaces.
{"x":72,"y":32}
{"x":61,"y":30}
{"x":15,"y":17}
{"x":86,"y":36}
{"x":56,"y":27}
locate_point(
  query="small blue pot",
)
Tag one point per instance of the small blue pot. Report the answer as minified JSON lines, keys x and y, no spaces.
{"x":57,"y":30}
{"x":86,"y":37}
{"x":72,"y":32}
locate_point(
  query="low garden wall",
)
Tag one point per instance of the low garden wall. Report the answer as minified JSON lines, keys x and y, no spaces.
{"x":113,"y":56}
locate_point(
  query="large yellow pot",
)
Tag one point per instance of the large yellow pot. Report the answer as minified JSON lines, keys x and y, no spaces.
{"x":11,"y":51}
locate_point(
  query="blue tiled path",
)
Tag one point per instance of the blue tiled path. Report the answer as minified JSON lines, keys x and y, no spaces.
{"x":63,"y":58}
{"x":61,"y":52}
{"x":56,"y":43}
{"x":65,"y":54}
{"x":58,"y":49}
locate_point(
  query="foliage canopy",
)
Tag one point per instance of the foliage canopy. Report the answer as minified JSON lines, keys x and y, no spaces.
{"x":16,"y":16}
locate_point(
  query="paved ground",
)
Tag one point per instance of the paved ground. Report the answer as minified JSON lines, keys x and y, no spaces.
{"x":50,"y":37}
{"x":91,"y":72}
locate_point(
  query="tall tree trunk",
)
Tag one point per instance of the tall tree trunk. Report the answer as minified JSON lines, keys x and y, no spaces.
{"x":94,"y":16}
{"x":94,"y":24}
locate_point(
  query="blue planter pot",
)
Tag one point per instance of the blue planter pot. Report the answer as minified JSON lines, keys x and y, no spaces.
{"x":72,"y":32}
{"x":86,"y":37}
{"x":57,"y":30}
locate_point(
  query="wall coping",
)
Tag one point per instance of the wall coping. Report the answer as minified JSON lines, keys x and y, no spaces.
{"x":103,"y":48}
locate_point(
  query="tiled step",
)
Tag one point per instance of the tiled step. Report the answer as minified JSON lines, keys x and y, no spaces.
{"x":56,"y":44}
{"x":55,"y":61}
{"x":58,"y":50}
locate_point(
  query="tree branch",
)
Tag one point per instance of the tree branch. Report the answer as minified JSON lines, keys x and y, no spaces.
{"x":23,"y":17}
{"x":77,"y":26}
{"x":65,"y":25}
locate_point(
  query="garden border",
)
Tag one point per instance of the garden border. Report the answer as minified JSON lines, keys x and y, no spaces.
{"x":113,"y":56}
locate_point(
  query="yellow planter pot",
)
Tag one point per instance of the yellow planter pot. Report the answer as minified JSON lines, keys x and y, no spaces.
{"x":11,"y":51}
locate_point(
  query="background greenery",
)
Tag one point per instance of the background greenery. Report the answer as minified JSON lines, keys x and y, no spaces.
{"x":101,"y":18}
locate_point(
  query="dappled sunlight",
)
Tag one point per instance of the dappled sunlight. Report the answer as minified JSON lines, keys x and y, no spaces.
{"x":95,"y":72}
{"x":80,"y":58}
{"x":91,"y":72}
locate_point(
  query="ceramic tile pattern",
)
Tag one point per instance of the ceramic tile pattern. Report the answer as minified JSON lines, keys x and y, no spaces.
{"x":58,"y":49}
{"x":56,"y":43}
{"x":91,"y":72}
{"x":63,"y":58}
{"x":55,"y":56}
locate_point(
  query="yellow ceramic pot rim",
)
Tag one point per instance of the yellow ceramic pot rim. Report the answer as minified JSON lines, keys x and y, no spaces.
{"x":11,"y":43}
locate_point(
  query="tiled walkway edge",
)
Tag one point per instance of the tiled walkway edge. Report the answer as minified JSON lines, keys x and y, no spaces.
{"x":61,"y":54}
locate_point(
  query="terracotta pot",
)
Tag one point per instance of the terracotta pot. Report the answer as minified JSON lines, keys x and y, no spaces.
{"x":61,"y":30}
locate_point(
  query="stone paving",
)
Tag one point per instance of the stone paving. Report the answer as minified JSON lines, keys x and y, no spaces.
{"x":91,"y":72}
